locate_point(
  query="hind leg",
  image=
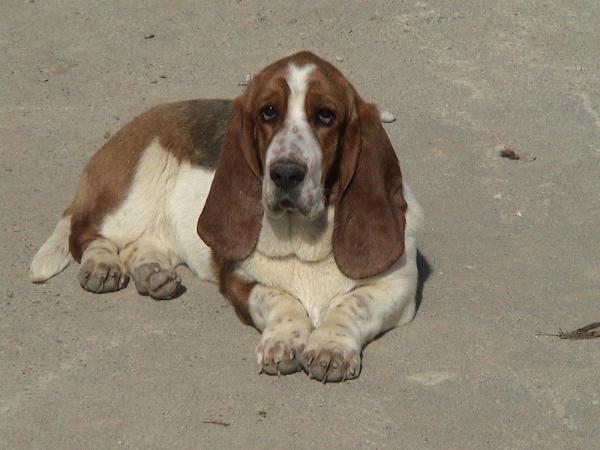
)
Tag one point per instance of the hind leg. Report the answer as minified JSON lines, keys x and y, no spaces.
{"x":101,"y":267}
{"x":152,"y":265}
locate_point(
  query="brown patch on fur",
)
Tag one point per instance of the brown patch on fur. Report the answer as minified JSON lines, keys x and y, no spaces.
{"x":194,"y":130}
{"x":232,"y":287}
{"x":191,"y":130}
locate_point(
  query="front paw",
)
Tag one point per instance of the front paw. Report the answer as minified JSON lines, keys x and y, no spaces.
{"x":160,"y":283}
{"x":101,"y":276}
{"x":280,"y":347}
{"x":331,"y":357}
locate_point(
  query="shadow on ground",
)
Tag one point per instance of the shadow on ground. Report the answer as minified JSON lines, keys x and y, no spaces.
{"x":424,"y":272}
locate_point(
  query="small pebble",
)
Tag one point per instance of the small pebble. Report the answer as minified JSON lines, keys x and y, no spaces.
{"x":106,"y":135}
{"x":245,"y":81}
{"x":498,"y":197}
{"x":519,"y":214}
{"x":339,"y":58}
{"x":387,"y":117}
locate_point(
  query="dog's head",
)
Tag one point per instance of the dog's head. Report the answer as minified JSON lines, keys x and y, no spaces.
{"x":299,"y":140}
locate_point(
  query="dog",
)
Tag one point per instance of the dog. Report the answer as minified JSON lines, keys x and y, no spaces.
{"x":290,"y":197}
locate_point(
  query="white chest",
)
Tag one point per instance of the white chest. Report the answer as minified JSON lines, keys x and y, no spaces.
{"x":298,"y":259}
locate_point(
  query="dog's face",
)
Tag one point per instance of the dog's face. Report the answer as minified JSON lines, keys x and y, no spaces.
{"x":299,"y":111}
{"x":301,"y":139}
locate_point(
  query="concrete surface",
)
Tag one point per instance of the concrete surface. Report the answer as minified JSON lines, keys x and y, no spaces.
{"x":512,"y":246}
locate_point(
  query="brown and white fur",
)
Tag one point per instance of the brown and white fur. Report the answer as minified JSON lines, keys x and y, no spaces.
{"x":320,"y":267}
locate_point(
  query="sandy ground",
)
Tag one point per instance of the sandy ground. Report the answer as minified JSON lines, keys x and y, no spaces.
{"x":509,"y":247}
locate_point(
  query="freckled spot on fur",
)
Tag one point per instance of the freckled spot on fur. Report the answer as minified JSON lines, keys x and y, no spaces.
{"x":361,"y":303}
{"x":278,"y":321}
{"x":359,"y":308}
{"x":300,"y":137}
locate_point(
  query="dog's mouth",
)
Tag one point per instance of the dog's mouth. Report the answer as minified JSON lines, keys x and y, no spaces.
{"x":286,"y":204}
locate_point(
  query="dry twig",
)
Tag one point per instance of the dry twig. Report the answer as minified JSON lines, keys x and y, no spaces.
{"x":217,"y":422}
{"x":590,"y":331}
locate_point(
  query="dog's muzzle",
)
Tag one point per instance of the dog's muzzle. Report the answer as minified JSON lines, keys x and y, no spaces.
{"x":287,"y":175}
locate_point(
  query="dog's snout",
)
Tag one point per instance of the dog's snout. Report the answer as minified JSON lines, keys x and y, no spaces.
{"x":287,"y":174}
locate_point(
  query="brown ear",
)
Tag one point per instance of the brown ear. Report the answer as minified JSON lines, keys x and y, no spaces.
{"x":369,"y":219}
{"x":231,"y":219}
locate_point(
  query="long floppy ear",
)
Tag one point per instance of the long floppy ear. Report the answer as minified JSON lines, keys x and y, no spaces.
{"x":369,"y":222}
{"x":231,"y":219}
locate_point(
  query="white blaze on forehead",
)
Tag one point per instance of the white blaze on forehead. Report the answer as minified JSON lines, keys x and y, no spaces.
{"x":297,"y":81}
{"x":297,"y":138}
{"x":296,"y":141}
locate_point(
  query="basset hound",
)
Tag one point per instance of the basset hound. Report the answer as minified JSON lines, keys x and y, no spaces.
{"x":296,"y":193}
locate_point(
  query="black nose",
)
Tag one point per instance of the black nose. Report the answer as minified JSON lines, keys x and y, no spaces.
{"x":287,"y":174}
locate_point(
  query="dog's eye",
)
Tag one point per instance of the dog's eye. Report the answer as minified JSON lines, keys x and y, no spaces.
{"x":325,"y":117}
{"x":268,"y":114}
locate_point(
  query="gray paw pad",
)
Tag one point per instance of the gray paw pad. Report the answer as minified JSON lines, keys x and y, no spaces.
{"x":156,"y":281}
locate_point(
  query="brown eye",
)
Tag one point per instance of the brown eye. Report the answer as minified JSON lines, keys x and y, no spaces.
{"x":325,"y":117}
{"x":268,"y":114}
